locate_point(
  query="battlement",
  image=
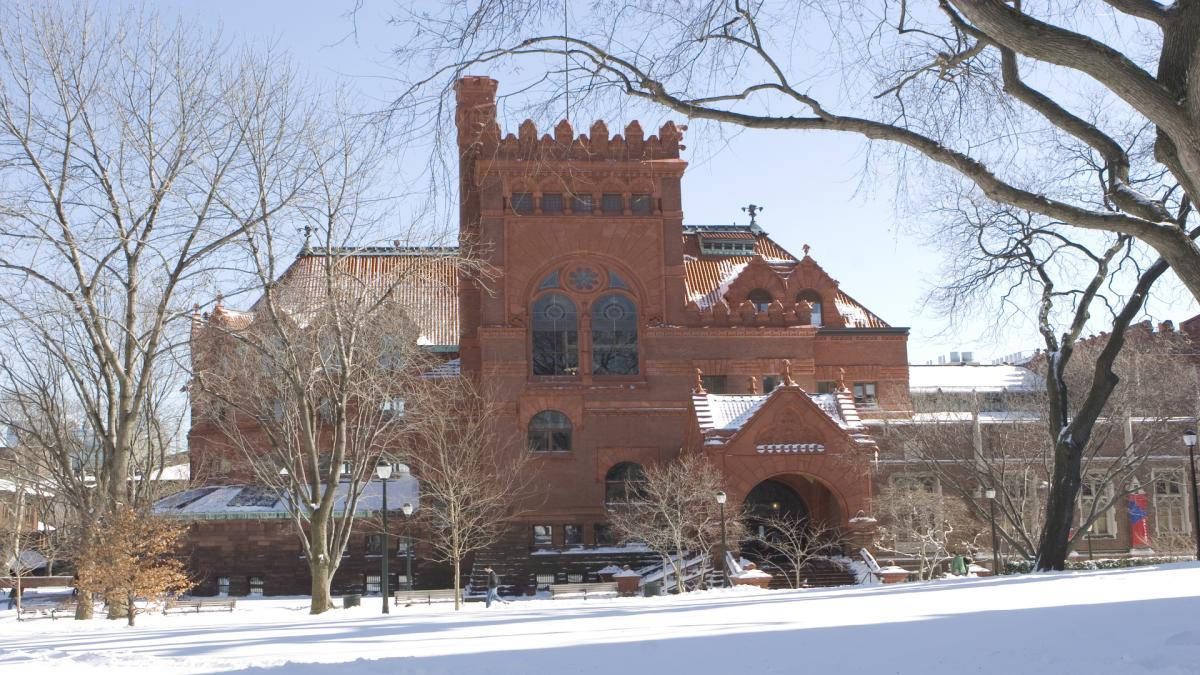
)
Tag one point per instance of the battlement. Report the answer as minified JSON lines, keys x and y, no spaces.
{"x":479,"y":134}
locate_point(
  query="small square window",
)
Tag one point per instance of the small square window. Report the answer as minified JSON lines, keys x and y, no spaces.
{"x":552,"y":202}
{"x":574,"y":578}
{"x":604,"y":535}
{"x":374,"y":544}
{"x":543,"y":535}
{"x":826,"y":387}
{"x":256,"y":585}
{"x":864,"y":393}
{"x":581,"y":203}
{"x":769,"y":382}
{"x":522,"y":203}
{"x":640,"y":204}
{"x":715,"y":384}
{"x":612,"y":202}
{"x":223,"y":586}
{"x":373,"y":584}
{"x":572,"y":535}
{"x":545,"y":579}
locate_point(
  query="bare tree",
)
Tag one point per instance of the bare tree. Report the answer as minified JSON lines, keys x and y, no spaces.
{"x":473,"y":485}
{"x":1010,"y":261}
{"x":796,"y":542}
{"x":919,"y":522}
{"x":974,"y":442}
{"x":132,"y":151}
{"x":964,"y":84}
{"x":673,"y":511}
{"x":310,"y":396}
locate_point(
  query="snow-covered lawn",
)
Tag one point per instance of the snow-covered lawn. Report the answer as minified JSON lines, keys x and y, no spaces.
{"x":1122,"y":621}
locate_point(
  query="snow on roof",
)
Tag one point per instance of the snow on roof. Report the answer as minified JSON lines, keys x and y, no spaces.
{"x":729,"y":412}
{"x":928,"y":379}
{"x":258,"y":501}
{"x":9,"y":486}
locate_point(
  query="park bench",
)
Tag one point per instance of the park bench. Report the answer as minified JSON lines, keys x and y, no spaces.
{"x":594,"y":590}
{"x":62,"y":609}
{"x":187,"y":605}
{"x":424,"y":597}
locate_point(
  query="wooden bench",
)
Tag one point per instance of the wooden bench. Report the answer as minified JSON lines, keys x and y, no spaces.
{"x":199,"y":605}
{"x":424,"y":597}
{"x":602,"y":589}
{"x":63,"y":609}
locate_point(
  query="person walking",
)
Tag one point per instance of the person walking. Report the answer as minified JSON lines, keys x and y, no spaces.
{"x":493,"y":587}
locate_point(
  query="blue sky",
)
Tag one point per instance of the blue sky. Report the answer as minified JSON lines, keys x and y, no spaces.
{"x":810,"y":183}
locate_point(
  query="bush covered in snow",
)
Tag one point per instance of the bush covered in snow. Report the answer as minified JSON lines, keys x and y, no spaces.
{"x":1026,"y":566}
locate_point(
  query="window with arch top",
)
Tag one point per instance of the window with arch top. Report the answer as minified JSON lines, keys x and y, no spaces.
{"x":760,"y":298}
{"x":623,"y":483}
{"x":550,"y":431}
{"x":555,"y":336}
{"x":815,"y":298}
{"x":614,"y":336}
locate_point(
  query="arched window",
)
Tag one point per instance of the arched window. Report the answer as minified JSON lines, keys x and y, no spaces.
{"x":550,"y":431}
{"x":760,"y":299}
{"x":815,"y":299}
{"x":555,"y":336}
{"x":614,"y":336}
{"x":623,"y":483}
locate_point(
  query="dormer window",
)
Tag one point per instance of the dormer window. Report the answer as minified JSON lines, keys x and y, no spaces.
{"x":760,"y":299}
{"x":739,"y":247}
{"x":815,"y":298}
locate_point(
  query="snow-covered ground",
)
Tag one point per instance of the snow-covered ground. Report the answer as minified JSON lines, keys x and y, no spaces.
{"x":1143,"y":620}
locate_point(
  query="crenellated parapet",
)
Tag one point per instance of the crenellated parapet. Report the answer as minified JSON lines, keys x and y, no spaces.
{"x":479,"y":133}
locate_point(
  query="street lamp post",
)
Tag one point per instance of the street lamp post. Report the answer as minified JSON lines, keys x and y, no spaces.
{"x":384,"y":471}
{"x":991,"y":497}
{"x":724,"y":546}
{"x":408,"y":552}
{"x":1189,"y":439}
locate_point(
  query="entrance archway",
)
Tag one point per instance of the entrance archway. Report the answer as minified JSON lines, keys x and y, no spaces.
{"x":768,"y":505}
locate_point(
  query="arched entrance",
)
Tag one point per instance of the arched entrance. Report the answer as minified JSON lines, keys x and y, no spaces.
{"x":771,"y":506}
{"x":793,"y":519}
{"x":773,"y":499}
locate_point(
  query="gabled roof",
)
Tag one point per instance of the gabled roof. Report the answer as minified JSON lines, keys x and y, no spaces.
{"x":721,"y":417}
{"x":708,"y":277}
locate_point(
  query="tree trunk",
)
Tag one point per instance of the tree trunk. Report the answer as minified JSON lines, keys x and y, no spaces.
{"x":117,"y":609}
{"x":322,"y":576}
{"x":457,"y":583}
{"x":130,"y":610}
{"x":83,"y":605}
{"x":1060,"y":507}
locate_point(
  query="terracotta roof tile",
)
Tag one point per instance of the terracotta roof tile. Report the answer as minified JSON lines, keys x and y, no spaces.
{"x":425,"y":279}
{"x":707,"y":277}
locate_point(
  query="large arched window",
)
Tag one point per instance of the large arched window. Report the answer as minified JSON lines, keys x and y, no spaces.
{"x":555,"y":336}
{"x":623,"y":483}
{"x":815,"y":298}
{"x":550,"y":431}
{"x":760,"y":299}
{"x":614,"y":336}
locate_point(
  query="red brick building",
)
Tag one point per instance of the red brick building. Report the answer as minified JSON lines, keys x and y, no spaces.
{"x":621,"y":336}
